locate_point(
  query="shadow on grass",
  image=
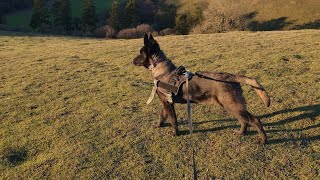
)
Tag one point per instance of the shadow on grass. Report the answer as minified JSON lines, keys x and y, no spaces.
{"x":186,"y":132}
{"x":308,"y":112}
{"x":271,"y":25}
{"x":302,"y":139}
{"x":310,"y":25}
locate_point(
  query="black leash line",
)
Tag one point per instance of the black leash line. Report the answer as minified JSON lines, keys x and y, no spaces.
{"x":195,"y":176}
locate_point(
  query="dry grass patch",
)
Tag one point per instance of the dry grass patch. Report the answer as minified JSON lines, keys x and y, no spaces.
{"x":75,"y":108}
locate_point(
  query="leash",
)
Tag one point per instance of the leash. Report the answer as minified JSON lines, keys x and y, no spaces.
{"x":195,"y":176}
{"x":154,"y":89}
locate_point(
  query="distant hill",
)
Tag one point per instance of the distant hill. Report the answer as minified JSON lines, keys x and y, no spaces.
{"x":277,"y":14}
{"x":265,"y":15}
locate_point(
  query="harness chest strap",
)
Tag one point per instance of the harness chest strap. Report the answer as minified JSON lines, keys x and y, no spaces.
{"x":171,"y":89}
{"x":157,"y":84}
{"x":153,"y":92}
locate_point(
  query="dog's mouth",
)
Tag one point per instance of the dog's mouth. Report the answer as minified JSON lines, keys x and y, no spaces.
{"x":141,"y":60}
{"x":137,"y":61}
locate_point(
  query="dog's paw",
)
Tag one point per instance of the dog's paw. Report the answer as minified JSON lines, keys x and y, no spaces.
{"x":174,"y":132}
{"x":157,"y":126}
{"x":239,"y":133}
{"x":261,"y":141}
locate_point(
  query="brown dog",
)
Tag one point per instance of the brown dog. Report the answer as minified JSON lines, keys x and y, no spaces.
{"x":204,"y":87}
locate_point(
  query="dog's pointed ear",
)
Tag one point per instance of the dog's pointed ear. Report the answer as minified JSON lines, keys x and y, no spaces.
{"x":145,"y":39}
{"x":151,"y":37}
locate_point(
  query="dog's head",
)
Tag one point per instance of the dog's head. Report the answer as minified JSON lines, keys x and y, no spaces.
{"x":150,"y":49}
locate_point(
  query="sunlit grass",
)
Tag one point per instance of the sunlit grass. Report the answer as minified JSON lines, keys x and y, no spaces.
{"x":75,"y":108}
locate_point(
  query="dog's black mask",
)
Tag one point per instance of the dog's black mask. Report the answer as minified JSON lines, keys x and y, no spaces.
{"x":151,"y":48}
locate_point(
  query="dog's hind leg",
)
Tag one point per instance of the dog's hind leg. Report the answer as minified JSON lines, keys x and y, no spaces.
{"x":242,"y":121}
{"x":257,"y":124}
{"x":243,"y":127}
{"x":237,"y":109}
{"x":248,"y":118}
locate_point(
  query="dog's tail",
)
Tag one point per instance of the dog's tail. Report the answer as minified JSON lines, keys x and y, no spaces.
{"x":226,"y":77}
{"x":256,"y":86}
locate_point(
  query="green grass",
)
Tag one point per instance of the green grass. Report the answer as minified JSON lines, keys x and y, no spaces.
{"x":75,"y":108}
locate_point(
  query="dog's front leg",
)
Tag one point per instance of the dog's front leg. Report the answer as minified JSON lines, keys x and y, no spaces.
{"x":162,"y":118}
{"x":172,"y":118}
{"x":168,"y":112}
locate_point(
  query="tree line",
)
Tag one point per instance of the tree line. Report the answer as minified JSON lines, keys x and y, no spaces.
{"x":57,"y":17}
{"x":8,"y":6}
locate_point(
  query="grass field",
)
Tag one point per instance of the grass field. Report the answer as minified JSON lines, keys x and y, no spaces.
{"x":75,"y":108}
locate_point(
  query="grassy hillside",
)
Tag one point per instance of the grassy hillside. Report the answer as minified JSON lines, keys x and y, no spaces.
{"x":299,"y":11}
{"x":75,"y":108}
{"x":257,"y":15}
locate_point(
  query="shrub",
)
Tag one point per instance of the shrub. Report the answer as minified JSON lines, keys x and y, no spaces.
{"x":182,"y":24}
{"x":154,"y":33}
{"x":167,"y":31}
{"x":143,"y":28}
{"x":100,"y":32}
{"x":130,"y":33}
{"x":185,"y":22}
{"x":105,"y":32}
{"x":110,"y":32}
{"x":133,"y":33}
{"x":222,"y":16}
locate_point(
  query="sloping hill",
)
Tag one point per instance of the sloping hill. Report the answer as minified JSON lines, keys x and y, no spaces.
{"x":282,"y":14}
{"x":258,"y":15}
{"x":75,"y":108}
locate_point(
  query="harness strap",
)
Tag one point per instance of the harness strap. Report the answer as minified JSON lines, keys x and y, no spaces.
{"x":167,"y":86}
{"x":163,"y":85}
{"x":153,"y":92}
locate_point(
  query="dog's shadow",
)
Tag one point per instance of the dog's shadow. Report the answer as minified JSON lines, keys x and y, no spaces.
{"x":308,"y":112}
